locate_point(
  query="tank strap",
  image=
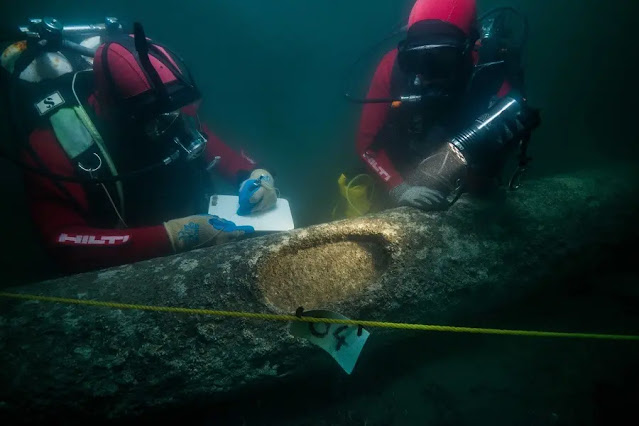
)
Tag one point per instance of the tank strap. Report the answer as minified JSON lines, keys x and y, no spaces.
{"x":77,"y":134}
{"x":97,"y":138}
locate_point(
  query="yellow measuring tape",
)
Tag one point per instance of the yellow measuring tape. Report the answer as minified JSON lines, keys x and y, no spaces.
{"x":289,"y":318}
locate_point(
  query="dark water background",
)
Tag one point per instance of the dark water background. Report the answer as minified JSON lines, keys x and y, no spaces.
{"x":272,"y":75}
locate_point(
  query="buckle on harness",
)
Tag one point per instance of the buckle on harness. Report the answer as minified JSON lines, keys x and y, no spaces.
{"x":91,"y":170}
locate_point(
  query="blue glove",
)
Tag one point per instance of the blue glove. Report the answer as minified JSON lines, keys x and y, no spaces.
{"x":257,"y":193}
{"x":203,"y":230}
{"x":228,"y":226}
{"x":247,"y":191}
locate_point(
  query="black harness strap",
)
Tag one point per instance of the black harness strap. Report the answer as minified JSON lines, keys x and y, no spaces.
{"x":180,"y":71}
{"x":162,"y":97}
{"x":107,"y":71}
{"x":142,"y":47}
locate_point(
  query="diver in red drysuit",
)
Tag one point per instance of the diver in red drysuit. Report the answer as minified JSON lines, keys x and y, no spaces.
{"x":391,"y":141}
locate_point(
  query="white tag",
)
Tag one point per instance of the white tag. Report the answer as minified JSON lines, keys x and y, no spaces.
{"x":340,"y":341}
{"x":47,"y":104}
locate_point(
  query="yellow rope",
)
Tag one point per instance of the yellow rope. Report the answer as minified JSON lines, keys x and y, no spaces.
{"x":288,"y":318}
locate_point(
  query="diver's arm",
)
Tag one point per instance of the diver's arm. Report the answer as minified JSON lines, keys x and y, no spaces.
{"x":77,"y":247}
{"x":232,"y":165}
{"x":59,"y":211}
{"x":374,"y":117}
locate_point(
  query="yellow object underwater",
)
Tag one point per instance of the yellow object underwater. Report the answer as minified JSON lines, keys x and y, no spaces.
{"x":358,"y":196}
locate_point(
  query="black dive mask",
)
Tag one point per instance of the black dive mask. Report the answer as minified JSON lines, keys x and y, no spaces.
{"x":439,"y":53}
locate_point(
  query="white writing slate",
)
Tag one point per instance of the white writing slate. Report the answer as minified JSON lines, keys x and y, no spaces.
{"x":276,"y":219}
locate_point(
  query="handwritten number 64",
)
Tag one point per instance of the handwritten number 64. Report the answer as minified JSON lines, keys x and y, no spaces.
{"x":341,"y":340}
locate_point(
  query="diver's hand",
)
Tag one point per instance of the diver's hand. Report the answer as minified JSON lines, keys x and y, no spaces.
{"x":204,"y":230}
{"x":418,"y":196}
{"x":524,"y":122}
{"x":512,"y":127}
{"x":257,"y":193}
{"x":508,"y":130}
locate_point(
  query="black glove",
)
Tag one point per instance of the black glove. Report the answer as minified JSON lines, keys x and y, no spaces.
{"x":418,"y":196}
{"x":514,"y":127}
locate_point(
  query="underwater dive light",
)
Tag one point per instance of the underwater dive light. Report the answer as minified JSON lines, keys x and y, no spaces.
{"x":483,"y":147}
{"x":495,"y":133}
